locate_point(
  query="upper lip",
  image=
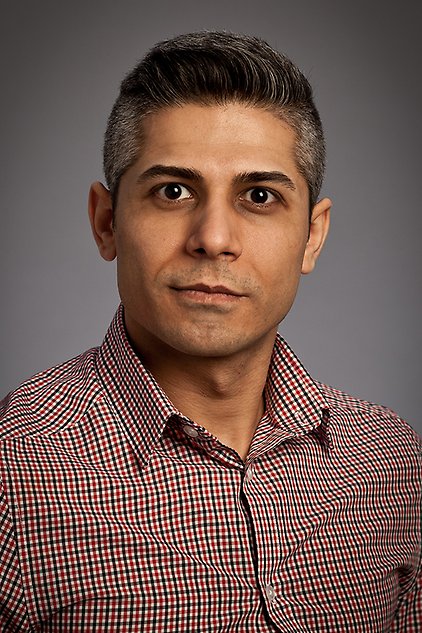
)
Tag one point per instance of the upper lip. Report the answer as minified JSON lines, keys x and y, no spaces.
{"x":210,"y":289}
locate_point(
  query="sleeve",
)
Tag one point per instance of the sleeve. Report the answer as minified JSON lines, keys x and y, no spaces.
{"x":13,"y":613}
{"x":408,"y":618}
{"x":409,"y":614}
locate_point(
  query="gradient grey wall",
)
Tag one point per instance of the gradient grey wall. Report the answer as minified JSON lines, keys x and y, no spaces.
{"x":356,"y":323}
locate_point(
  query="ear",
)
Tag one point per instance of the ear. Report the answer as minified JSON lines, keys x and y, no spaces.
{"x":100,"y":210}
{"x":318,"y":230}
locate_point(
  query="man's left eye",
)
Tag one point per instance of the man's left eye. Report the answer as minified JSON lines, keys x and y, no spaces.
{"x":174,"y":191}
{"x":259,"y":195}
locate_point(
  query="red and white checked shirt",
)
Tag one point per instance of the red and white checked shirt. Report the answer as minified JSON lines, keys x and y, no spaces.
{"x":119,"y":514}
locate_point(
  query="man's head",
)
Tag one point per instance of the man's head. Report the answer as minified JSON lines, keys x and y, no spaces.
{"x":213,"y":68}
{"x":216,"y":150}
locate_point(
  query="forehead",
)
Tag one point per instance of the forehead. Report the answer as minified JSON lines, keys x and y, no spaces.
{"x":232,"y":137}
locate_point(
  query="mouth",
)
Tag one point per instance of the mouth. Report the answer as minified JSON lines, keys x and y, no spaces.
{"x":212,"y":290}
{"x":207,"y":294}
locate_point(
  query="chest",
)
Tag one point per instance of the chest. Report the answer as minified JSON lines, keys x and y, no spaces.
{"x":291,"y":542}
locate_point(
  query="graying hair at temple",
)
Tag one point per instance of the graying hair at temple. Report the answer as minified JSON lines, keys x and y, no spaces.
{"x":214,"y":68}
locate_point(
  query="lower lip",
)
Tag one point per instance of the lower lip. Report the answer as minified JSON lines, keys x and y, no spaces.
{"x":207,"y":298}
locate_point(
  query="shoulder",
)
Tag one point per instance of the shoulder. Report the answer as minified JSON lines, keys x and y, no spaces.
{"x":365,"y":422}
{"x":50,"y":400}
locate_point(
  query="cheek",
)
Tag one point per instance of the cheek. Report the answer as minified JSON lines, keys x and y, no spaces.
{"x":135,"y":244}
{"x":282,"y":256}
{"x":132,"y":256}
{"x":148,"y":238}
{"x":143,"y":252}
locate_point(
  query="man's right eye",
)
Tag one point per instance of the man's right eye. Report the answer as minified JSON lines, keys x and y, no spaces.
{"x":173,"y":191}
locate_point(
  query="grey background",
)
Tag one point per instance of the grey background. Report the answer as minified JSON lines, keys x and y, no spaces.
{"x":356,"y":321}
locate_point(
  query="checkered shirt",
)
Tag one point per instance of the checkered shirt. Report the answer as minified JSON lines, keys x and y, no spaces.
{"x":119,"y":514}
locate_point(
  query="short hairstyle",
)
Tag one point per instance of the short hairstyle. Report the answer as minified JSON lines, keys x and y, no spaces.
{"x":214,"y":68}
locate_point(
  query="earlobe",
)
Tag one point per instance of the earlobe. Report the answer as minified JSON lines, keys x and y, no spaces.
{"x":100,"y":210}
{"x":318,"y":231}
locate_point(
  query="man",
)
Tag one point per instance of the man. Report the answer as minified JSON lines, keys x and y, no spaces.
{"x":189,"y":475}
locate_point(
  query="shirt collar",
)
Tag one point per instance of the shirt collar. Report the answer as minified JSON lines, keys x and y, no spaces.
{"x":140,"y":404}
{"x":294,"y":402}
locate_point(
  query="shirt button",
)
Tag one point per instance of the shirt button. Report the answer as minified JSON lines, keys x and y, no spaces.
{"x":270,"y":591}
{"x":250,"y":472}
{"x":189,"y":430}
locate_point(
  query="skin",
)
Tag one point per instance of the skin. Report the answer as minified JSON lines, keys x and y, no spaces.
{"x":211,"y":236}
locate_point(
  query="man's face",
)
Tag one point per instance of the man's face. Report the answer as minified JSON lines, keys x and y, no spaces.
{"x":211,"y":230}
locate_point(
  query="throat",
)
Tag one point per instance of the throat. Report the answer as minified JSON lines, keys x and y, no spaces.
{"x":222,"y":394}
{"x":230,"y":408}
{"x":234,"y":429}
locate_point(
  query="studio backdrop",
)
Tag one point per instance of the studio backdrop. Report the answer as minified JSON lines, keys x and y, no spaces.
{"x":356,"y":323}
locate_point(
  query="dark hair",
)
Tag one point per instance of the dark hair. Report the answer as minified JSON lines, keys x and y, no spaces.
{"x":214,"y":68}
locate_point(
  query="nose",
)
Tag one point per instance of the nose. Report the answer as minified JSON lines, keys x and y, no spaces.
{"x":215,"y":231}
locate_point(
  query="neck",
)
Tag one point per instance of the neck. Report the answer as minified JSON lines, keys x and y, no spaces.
{"x":224,"y":395}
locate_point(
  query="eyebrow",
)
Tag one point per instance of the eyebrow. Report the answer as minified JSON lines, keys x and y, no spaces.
{"x":169,"y":170}
{"x":250,"y":177}
{"x":247,"y":177}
